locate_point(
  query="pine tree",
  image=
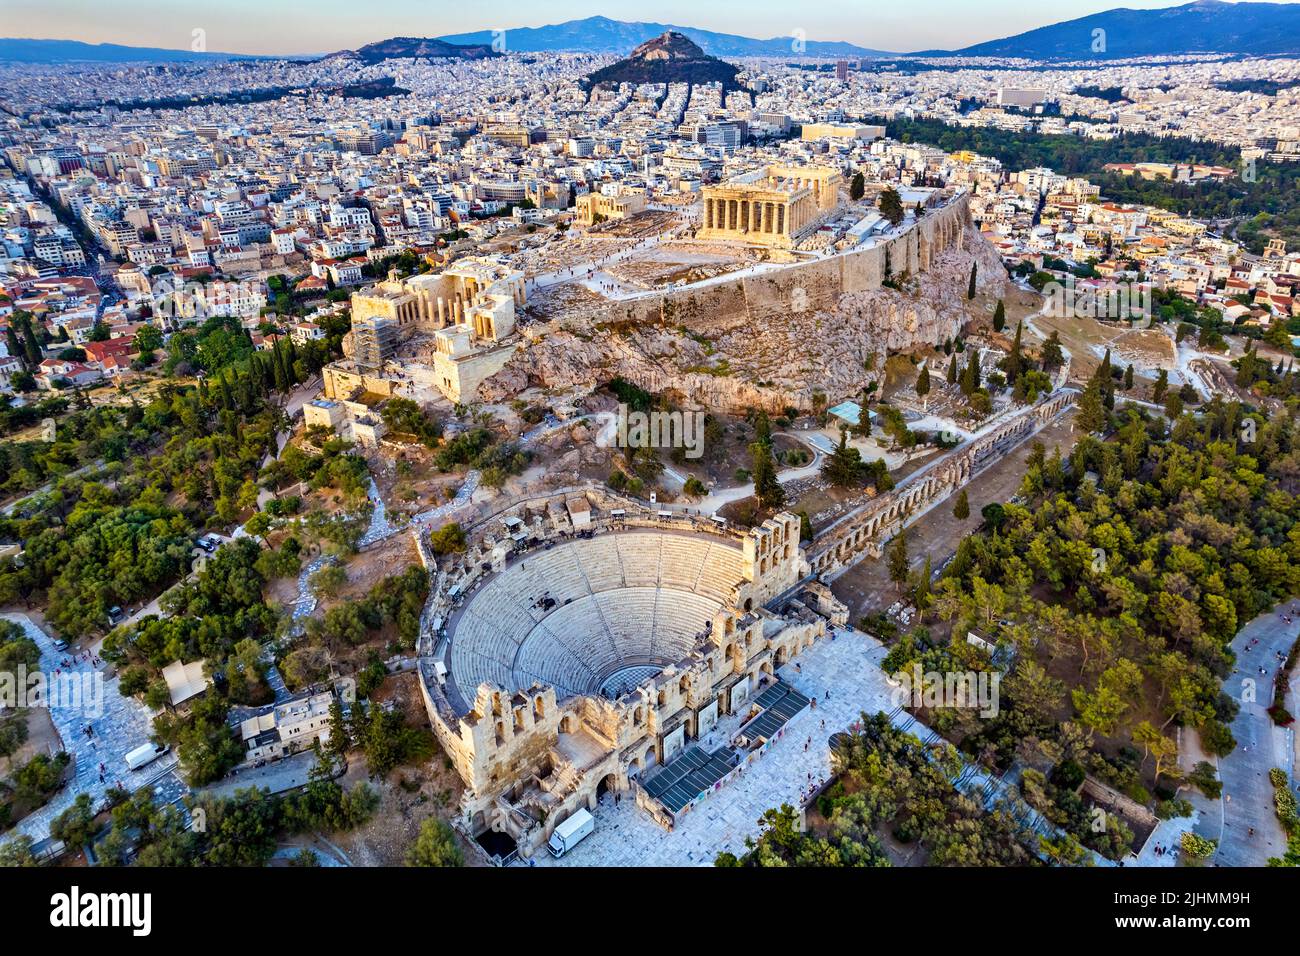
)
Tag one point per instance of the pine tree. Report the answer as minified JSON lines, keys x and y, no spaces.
{"x":891,"y":206}
{"x":923,"y":382}
{"x":857,"y":186}
{"x":1107,"y":377}
{"x":763,"y":428}
{"x":952,"y":371}
{"x":30,"y":343}
{"x":863,"y":428}
{"x":970,"y":379}
{"x":970,"y":288}
{"x":1128,"y":378}
{"x":843,"y":467}
{"x":15,"y":346}
{"x":922,"y":596}
{"x":1246,"y":369}
{"x":999,"y":317}
{"x":961,"y":510}
{"x":339,"y":736}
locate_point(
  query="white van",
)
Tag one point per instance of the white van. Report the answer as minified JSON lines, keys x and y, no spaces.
{"x":144,"y":755}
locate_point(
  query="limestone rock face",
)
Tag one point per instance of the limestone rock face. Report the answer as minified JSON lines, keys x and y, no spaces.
{"x":747,"y":356}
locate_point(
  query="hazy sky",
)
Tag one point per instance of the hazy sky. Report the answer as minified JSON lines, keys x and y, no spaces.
{"x":319,"y":26}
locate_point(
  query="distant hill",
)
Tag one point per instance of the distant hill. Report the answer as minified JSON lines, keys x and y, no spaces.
{"x":670,"y":58}
{"x":397,"y":48}
{"x":603,"y":35}
{"x":1205,"y":26}
{"x":18,"y":50}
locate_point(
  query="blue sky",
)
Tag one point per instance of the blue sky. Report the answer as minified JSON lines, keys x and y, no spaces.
{"x":318,"y":26}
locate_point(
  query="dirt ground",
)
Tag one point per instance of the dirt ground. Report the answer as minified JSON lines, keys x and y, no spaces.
{"x":652,"y":222}
{"x":411,"y":483}
{"x":679,"y":262}
{"x":407,"y":795}
{"x":42,"y":738}
{"x":555,"y":300}
{"x":1087,"y":340}
{"x":389,"y":557}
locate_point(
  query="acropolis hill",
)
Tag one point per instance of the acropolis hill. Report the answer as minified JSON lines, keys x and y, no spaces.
{"x":774,"y":337}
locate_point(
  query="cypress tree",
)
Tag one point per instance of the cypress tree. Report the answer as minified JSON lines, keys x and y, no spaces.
{"x":767,"y":489}
{"x":961,"y":510}
{"x":1092,"y":411}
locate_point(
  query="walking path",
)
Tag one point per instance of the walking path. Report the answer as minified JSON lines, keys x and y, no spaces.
{"x":119,"y":725}
{"x":1247,"y":800}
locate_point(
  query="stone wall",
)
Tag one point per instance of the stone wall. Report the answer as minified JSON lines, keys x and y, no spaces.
{"x":862,"y":532}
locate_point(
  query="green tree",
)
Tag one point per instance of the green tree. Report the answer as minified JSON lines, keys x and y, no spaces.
{"x":857,"y":186}
{"x":1161,"y":386}
{"x":970,"y":377}
{"x":970,"y":286}
{"x":1092,"y":413}
{"x":961,"y":510}
{"x":1053,"y":354}
{"x":767,"y":488}
{"x":76,"y":825}
{"x":891,"y":205}
{"x":923,"y":381}
{"x":999,"y":317}
{"x":1014,"y":363}
{"x":898,"y":560}
{"x":435,"y":845}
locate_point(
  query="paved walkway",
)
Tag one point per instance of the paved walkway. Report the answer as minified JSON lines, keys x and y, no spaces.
{"x":120,"y":724}
{"x":627,"y":836}
{"x":1247,"y":799}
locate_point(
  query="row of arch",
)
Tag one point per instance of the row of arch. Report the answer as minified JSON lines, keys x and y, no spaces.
{"x":882,"y":514}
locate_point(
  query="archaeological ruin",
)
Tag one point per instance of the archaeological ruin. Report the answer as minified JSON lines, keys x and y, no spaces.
{"x":582,"y":652}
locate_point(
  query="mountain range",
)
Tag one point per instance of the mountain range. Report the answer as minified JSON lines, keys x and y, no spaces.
{"x":603,"y":35}
{"x":14,"y":50}
{"x":397,"y":48}
{"x":1203,"y":26}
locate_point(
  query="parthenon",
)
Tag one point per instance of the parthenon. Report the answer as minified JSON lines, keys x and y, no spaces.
{"x":773,"y":207}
